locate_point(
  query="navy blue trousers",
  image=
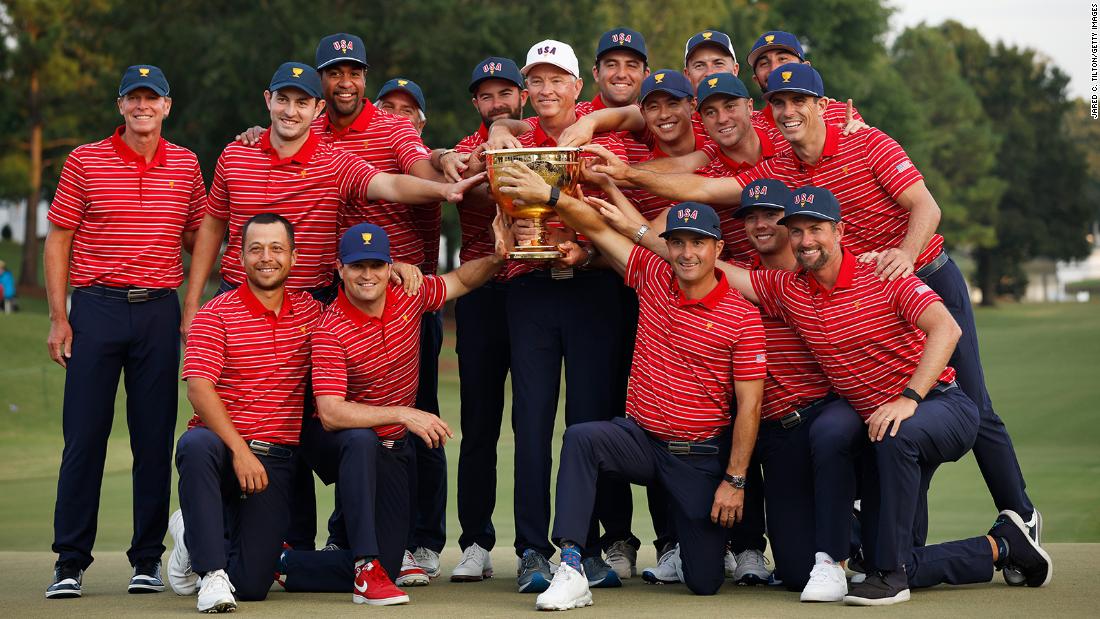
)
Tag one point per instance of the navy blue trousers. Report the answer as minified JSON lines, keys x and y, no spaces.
{"x":993,"y":448}
{"x":484,"y":356}
{"x":622,"y":448}
{"x":897,"y":473}
{"x":809,"y":486}
{"x":576,"y":320}
{"x":429,"y":476}
{"x":223,"y":529}
{"x":141,"y":342}
{"x":373,"y":483}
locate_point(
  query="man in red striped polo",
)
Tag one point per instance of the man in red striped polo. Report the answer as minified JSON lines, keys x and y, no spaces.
{"x":246,"y":367}
{"x":699,"y":346}
{"x":365,"y":359}
{"x":124,"y":208}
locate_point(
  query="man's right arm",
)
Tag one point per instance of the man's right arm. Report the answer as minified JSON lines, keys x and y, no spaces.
{"x":683,"y":164}
{"x":678,"y":187}
{"x":208,"y":240}
{"x":624,"y":118}
{"x":336,"y":414}
{"x":59,"y":244}
{"x":251,"y":474}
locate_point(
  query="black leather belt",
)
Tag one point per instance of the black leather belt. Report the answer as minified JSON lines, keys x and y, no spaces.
{"x":930,"y":268}
{"x":692,"y":448}
{"x":798,"y":417}
{"x":264,"y":448}
{"x":128,"y":294}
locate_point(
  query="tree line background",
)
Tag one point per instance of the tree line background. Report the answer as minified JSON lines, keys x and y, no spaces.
{"x":1002,"y":147}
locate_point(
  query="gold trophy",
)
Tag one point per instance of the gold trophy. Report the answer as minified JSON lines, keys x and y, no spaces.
{"x":559,"y":167}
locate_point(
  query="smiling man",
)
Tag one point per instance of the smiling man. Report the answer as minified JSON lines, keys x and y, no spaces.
{"x":125,"y":207}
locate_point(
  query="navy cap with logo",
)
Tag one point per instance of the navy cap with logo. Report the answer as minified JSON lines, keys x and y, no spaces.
{"x":720,"y":84}
{"x":815,"y":202}
{"x":666,"y":80}
{"x":143,"y":76}
{"x":404,"y":85}
{"x":711,"y":37}
{"x":622,"y":39}
{"x":763,"y":193}
{"x":340,"y":47}
{"x":297,"y":75}
{"x":775,"y":39}
{"x":496,"y":67}
{"x":365,"y":242}
{"x":795,"y":77}
{"x":693,"y":217}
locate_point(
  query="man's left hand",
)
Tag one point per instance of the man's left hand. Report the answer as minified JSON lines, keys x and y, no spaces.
{"x":893,"y":264}
{"x":889,"y":417}
{"x":729,"y":503}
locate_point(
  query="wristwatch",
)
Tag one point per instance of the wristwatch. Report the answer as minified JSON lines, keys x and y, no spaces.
{"x":737,"y":481}
{"x":555,"y":194}
{"x":640,"y":233}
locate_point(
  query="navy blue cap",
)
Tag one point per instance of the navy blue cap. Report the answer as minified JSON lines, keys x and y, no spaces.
{"x":365,"y":242}
{"x":404,"y":85}
{"x":340,"y":47}
{"x":297,"y":75}
{"x":496,"y":67}
{"x":765,"y":193}
{"x":775,"y":39}
{"x":721,"y":39}
{"x":622,"y":39}
{"x":815,"y":202}
{"x":720,"y":84}
{"x":795,"y":77}
{"x":143,"y":76}
{"x":694,"y":217}
{"x":666,"y":80}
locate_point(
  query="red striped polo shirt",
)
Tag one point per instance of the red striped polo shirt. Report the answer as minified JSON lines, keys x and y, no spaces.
{"x":648,"y":204}
{"x":866,"y":171}
{"x":390,"y":143}
{"x":257,"y":360}
{"x":374,"y":361}
{"x":129,"y":215}
{"x":733,"y":230}
{"x":688,"y":353}
{"x":836,"y":113}
{"x":794,"y":377}
{"x":863,"y":332}
{"x":428,"y":223}
{"x":636,"y":150}
{"x":308,"y":188}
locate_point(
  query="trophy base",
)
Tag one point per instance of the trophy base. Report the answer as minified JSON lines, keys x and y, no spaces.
{"x":535,"y":253}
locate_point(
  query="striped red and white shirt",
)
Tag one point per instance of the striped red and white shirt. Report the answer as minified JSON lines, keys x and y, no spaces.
{"x":836,"y":113}
{"x":866,"y":171}
{"x":863,"y":332}
{"x":737,"y":245}
{"x":374,"y":361}
{"x":257,"y":360}
{"x":636,"y":149}
{"x":129,"y":215}
{"x":391,"y":144}
{"x":688,"y":353}
{"x":795,"y":380}
{"x":308,"y":188}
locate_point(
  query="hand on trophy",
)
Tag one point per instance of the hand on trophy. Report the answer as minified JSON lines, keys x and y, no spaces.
{"x":504,"y":242}
{"x":523,"y":184}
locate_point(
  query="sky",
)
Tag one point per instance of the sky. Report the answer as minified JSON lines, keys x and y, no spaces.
{"x":1060,"y":29}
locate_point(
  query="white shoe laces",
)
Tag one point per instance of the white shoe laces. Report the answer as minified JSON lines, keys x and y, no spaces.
{"x":471,"y":554}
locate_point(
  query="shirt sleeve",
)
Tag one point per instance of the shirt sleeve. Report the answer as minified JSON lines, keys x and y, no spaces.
{"x":763,"y":169}
{"x":750,"y":361}
{"x":217,"y":203}
{"x":354,"y":178}
{"x":768,"y":285}
{"x":640,"y":265}
{"x":407,"y":146}
{"x":468,"y":143}
{"x":204,"y":356}
{"x":197,"y":206}
{"x":70,"y":200}
{"x":910,"y":296}
{"x":330,"y":363}
{"x":433,"y":292}
{"x":890,"y":164}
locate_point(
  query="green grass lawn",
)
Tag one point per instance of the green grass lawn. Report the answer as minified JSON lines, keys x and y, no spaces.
{"x":1041,"y":362}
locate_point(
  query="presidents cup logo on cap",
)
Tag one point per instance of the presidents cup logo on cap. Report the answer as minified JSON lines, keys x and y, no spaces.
{"x":367,"y":236}
{"x":144,"y":71}
{"x":712,"y":82}
{"x":708,"y":35}
{"x":297,"y":71}
{"x":658,"y":78}
{"x":769,"y":38}
{"x":786,"y":75}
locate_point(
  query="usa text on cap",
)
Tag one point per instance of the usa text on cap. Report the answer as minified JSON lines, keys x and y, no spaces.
{"x":709,"y":37}
{"x":795,"y":77}
{"x":143,"y":76}
{"x":340,"y":47}
{"x":404,"y":85}
{"x":666,"y":80}
{"x":763,"y":193}
{"x":297,"y":75}
{"x":815,"y":202}
{"x":775,"y":39}
{"x":692,"y":217}
{"x":555,"y":53}
{"x":622,"y":39}
{"x":496,"y":67}
{"x":726,"y":84}
{"x":365,"y":242}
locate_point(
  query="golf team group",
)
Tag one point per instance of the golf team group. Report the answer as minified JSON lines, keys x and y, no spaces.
{"x":755,"y":314}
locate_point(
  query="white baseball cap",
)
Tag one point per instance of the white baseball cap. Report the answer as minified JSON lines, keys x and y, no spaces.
{"x":552,"y":52}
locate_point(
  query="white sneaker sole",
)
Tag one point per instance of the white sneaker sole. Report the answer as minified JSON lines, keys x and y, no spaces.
{"x":220,"y":607}
{"x":144,"y":588}
{"x":399,"y":599}
{"x":581,"y":602}
{"x":412,"y":580}
{"x":902,"y":596}
{"x":472,"y":577}
{"x":821,"y":596}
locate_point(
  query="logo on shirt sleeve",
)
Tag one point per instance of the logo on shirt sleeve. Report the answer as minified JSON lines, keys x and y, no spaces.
{"x":903,"y":166}
{"x":923,"y":289}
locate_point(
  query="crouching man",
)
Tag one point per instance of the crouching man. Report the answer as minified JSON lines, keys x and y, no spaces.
{"x":698,"y":344}
{"x":246,"y":366}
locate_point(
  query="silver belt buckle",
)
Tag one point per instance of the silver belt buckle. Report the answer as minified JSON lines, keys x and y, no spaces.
{"x":260,"y":448}
{"x":790,"y":420}
{"x":679,"y":447}
{"x":137,"y":295}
